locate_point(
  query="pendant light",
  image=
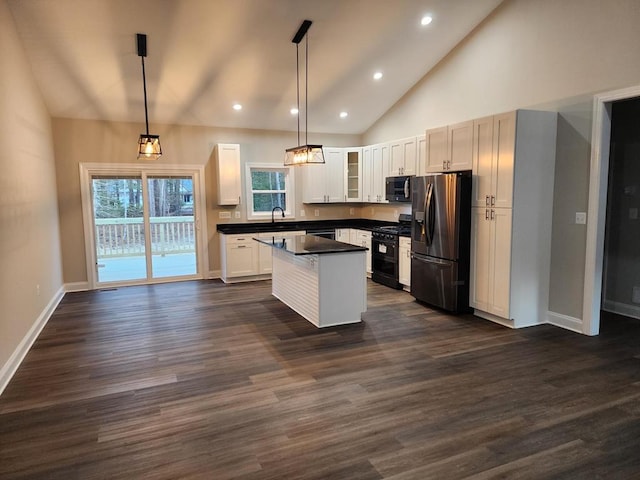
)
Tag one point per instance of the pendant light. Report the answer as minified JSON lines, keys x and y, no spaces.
{"x":148,"y":145}
{"x":303,"y":154}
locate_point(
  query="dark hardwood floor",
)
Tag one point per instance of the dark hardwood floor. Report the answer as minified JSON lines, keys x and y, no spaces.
{"x":205,"y":380}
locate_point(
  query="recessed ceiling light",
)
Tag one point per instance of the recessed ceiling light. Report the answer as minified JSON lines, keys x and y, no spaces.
{"x":237,"y":106}
{"x":426,"y":20}
{"x":377,"y":75}
{"x":294,"y":111}
{"x":344,"y":114}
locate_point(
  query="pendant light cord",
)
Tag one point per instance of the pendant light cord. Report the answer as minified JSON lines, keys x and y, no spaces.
{"x":144,"y":85}
{"x":306,"y":90}
{"x":298,"y":89}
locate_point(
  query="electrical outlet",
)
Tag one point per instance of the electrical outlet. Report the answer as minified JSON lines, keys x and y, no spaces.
{"x":581,"y":218}
{"x":237,"y":214}
{"x":351,"y":211}
{"x":395,"y":213}
{"x":316,"y":212}
{"x":302,"y":213}
{"x":38,"y":290}
{"x":373,"y":211}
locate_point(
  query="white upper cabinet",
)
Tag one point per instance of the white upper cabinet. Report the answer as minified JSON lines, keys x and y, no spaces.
{"x":436,"y":149}
{"x":403,"y":157}
{"x":493,"y":160}
{"x":334,"y":174}
{"x":367,"y":174}
{"x":324,"y":183}
{"x":227,"y":157}
{"x":313,"y":183}
{"x":375,"y":168}
{"x":449,"y":148}
{"x":421,"y":152}
{"x":380,"y":160}
{"x":353,"y":178}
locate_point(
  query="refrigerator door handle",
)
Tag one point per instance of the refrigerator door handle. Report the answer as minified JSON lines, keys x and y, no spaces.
{"x":429,"y":214}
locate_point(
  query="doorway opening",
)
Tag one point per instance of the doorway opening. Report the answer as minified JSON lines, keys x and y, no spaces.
{"x":621,"y":269}
{"x":598,"y":189}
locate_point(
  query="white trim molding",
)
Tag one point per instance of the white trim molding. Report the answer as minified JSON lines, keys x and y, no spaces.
{"x":144,"y":170}
{"x":76,"y":287}
{"x":620,"y":308}
{"x":9,"y":369}
{"x":598,"y":178}
{"x":565,"y":321}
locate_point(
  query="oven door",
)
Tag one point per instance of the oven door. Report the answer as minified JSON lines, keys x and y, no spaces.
{"x":384,"y":260}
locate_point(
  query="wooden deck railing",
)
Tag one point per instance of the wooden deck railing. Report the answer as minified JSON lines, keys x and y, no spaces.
{"x":123,"y":237}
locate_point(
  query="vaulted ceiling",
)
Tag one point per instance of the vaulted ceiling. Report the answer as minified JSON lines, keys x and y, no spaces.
{"x":206,"y":55}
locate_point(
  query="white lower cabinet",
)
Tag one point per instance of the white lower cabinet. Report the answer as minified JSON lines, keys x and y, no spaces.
{"x":362,"y":238}
{"x":244,"y":259}
{"x":491,"y":260}
{"x":343,"y":234}
{"x":404,"y":261}
{"x":239,"y":255}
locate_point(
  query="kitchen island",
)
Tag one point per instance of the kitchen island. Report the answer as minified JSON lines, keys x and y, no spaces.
{"x":321,"y":279}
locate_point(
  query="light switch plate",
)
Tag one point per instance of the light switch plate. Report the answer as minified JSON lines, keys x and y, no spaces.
{"x":581,"y":218}
{"x":224,"y":214}
{"x":302,"y":214}
{"x":316,"y":212}
{"x":237,"y":214}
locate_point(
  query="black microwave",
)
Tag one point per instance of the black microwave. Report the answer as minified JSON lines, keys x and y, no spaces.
{"x":398,"y":189}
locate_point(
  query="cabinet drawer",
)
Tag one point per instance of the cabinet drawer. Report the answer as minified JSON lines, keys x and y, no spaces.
{"x":236,"y":239}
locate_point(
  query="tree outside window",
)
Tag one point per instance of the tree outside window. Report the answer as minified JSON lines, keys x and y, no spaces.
{"x":269,"y":187}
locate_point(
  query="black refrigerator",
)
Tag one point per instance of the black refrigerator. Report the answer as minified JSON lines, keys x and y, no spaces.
{"x":440,"y":240}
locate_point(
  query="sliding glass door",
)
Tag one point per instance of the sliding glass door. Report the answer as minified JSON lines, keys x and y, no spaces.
{"x":173,"y":240}
{"x":119,"y":230}
{"x":144,"y":228}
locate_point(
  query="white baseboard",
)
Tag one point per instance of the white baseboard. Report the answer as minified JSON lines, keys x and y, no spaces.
{"x":9,"y":369}
{"x":76,"y":287}
{"x":493,"y":318}
{"x":625,"y":309}
{"x":565,"y":321}
{"x":215,"y":274}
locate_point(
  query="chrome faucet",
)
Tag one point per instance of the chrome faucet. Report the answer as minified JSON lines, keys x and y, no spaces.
{"x":273,"y":211}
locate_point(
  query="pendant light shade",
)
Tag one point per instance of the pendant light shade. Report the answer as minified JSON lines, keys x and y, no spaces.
{"x":303,"y":154}
{"x":148,"y":145}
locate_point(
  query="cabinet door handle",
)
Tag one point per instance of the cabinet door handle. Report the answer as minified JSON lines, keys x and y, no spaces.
{"x":448,"y":164}
{"x":242,"y":246}
{"x":486,"y":200}
{"x":493,"y":214}
{"x":493,"y":200}
{"x":486,"y":214}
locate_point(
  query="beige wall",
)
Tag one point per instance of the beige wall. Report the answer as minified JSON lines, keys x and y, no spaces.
{"x":546,"y":54}
{"x":89,"y":141}
{"x":29,"y":237}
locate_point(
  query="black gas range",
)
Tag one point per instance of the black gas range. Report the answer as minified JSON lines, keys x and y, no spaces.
{"x":385,"y":245}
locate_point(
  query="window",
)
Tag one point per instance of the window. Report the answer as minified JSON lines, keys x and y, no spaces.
{"x":269,"y":186}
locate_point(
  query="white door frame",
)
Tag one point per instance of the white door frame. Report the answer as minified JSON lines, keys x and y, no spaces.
{"x":87,"y":170}
{"x":598,"y":184}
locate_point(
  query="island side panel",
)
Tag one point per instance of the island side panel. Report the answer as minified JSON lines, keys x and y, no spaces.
{"x":295,"y":283}
{"x":343,"y":288}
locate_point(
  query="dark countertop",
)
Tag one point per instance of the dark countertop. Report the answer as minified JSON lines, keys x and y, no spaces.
{"x":309,"y":245}
{"x":284,"y":225}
